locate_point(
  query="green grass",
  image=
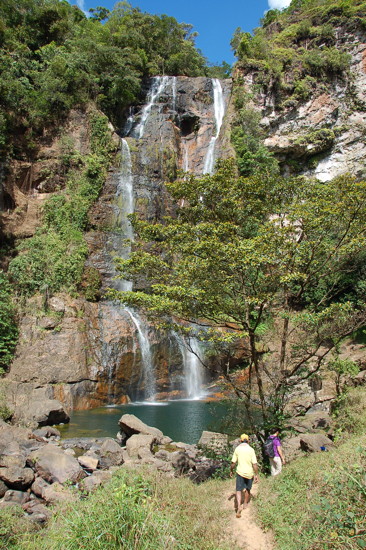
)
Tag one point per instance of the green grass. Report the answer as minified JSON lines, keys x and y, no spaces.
{"x":135,"y":511}
{"x":319,"y":501}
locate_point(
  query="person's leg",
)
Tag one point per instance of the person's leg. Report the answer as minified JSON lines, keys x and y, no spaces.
{"x":276,"y":465}
{"x":240,"y":484}
{"x":248,"y":488}
{"x":239,"y":495}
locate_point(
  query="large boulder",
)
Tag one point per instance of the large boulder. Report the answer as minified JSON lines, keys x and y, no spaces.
{"x":140,"y":445}
{"x":17,"y":478}
{"x":53,"y":464}
{"x":58,"y":493}
{"x":213,"y":440}
{"x":315,"y":442}
{"x":131,"y":425}
{"x":44,"y":412}
{"x":292,"y":448}
{"x":110,"y":453}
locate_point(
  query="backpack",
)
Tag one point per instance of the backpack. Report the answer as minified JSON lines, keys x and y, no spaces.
{"x":269,"y":447}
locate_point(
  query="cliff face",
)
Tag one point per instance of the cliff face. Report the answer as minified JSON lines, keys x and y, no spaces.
{"x":323,"y":136}
{"x":88,"y":354}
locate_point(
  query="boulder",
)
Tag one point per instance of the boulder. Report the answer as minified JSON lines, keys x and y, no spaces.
{"x":315,"y":442}
{"x":16,"y":497}
{"x":98,"y":478}
{"x":317,"y":420}
{"x":89,"y":463}
{"x":38,"y":512}
{"x":38,"y":486}
{"x":3,"y":489}
{"x":58,"y":493}
{"x":181,"y":462}
{"x":131,"y":425}
{"x":47,"y":432}
{"x":292,"y":448}
{"x":45,"y":412}
{"x":110,"y":454}
{"x":12,"y":460}
{"x":53,"y":464}
{"x":213,"y":440}
{"x":17,"y":478}
{"x":140,"y":445}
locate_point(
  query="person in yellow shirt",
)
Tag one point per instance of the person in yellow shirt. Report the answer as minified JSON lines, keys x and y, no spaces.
{"x":246,"y":472}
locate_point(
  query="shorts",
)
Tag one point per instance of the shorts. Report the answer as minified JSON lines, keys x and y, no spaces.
{"x":243,"y":483}
{"x":276,"y":465}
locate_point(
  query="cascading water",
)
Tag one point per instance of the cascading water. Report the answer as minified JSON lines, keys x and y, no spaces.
{"x":219,"y":110}
{"x":193,"y":379}
{"x":163,"y":113}
{"x":158,"y":86}
{"x":148,"y":374}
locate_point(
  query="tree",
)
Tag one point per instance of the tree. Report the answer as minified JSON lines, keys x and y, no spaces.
{"x":254,"y":260}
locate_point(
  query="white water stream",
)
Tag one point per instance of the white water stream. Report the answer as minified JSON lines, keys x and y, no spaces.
{"x":158,"y":86}
{"x":148,"y":372}
{"x":219,"y":111}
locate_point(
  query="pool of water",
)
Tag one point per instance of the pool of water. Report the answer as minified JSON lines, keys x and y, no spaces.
{"x":180,"y":420}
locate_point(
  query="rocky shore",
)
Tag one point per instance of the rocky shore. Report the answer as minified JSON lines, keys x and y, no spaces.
{"x":38,"y":469}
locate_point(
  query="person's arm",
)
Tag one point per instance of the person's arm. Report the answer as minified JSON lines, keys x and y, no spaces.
{"x":256,"y":472}
{"x":232,"y":466}
{"x":280,"y":452}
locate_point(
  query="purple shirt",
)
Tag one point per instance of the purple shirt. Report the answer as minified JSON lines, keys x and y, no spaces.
{"x":276,"y":444}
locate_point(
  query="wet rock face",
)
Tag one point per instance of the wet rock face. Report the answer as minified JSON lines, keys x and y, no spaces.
{"x":84,"y":354}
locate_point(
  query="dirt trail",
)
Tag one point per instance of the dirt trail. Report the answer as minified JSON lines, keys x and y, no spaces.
{"x":245,"y":531}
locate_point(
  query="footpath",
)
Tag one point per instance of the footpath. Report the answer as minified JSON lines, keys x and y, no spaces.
{"x":245,"y":531}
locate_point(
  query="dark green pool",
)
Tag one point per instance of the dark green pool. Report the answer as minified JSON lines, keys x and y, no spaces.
{"x":180,"y":420}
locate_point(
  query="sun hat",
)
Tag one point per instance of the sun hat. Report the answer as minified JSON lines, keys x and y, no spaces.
{"x":244,"y":437}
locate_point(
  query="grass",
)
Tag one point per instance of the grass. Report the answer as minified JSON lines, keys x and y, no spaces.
{"x":319,"y":501}
{"x":143,"y":511}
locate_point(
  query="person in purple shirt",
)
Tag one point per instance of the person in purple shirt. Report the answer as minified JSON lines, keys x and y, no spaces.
{"x":279,"y":459}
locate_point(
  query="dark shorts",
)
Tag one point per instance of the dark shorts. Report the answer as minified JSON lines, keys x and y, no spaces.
{"x":243,"y":483}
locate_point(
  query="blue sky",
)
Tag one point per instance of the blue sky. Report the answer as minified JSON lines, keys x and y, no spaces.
{"x":215,"y":21}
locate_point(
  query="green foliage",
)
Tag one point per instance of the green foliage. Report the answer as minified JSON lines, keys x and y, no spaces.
{"x":342,"y":368}
{"x":350,"y":412}
{"x":8,"y":324}
{"x":233,"y":258}
{"x":54,"y":258}
{"x":246,"y":136}
{"x":53,"y":58}
{"x":91,"y":284}
{"x":331,"y":514}
{"x":296,"y":45}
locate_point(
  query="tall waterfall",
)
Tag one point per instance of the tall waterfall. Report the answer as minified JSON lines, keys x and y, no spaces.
{"x":173,"y":125}
{"x":219,"y":109}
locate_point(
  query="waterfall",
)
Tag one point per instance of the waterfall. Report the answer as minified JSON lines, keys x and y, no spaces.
{"x":192,"y":367}
{"x":174,"y":93}
{"x":157,"y":88}
{"x":148,"y":374}
{"x":125,"y":207}
{"x":185,"y":156}
{"x":219,"y":110}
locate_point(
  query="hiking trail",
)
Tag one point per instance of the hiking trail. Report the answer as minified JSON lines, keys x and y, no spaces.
{"x":245,"y":531}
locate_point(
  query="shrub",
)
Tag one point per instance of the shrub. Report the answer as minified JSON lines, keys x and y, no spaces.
{"x":8,"y":324}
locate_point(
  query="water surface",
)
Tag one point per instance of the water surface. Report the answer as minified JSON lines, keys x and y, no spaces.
{"x":180,"y":420}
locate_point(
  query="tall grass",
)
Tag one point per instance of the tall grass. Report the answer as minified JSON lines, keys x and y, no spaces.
{"x":134,"y":512}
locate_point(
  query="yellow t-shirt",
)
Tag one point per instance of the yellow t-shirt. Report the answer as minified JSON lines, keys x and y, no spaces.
{"x":244,"y":455}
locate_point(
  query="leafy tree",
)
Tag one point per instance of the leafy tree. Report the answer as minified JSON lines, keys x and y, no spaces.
{"x":8,"y":324}
{"x":256,"y":260}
